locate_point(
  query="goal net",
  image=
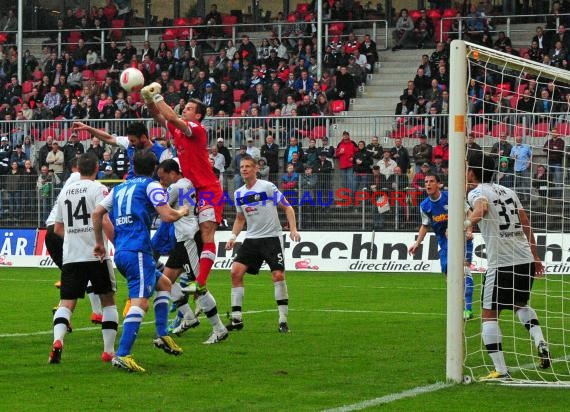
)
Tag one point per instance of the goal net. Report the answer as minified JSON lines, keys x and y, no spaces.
{"x":518,"y":112}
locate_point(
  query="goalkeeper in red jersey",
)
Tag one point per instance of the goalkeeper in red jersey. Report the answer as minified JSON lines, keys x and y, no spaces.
{"x":191,"y":141}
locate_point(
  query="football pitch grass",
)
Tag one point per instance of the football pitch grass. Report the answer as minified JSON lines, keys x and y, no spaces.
{"x":357,"y":340}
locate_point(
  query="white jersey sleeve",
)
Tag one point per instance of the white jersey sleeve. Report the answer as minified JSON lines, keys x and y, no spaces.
{"x":74,"y":177}
{"x":182,"y":193}
{"x":107,"y":202}
{"x":122,"y":141}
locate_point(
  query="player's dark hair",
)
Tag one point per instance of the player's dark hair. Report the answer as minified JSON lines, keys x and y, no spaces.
{"x":144,"y":162}
{"x":249,"y":159}
{"x":483,"y":167}
{"x":137,"y":129}
{"x":200,"y":107}
{"x":87,"y":164}
{"x":434,"y":175}
{"x":169,"y":165}
{"x":74,"y":162}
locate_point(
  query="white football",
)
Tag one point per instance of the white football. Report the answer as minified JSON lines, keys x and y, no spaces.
{"x":131,"y":79}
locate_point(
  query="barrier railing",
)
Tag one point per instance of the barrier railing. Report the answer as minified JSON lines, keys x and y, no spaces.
{"x":333,"y":200}
{"x":456,"y":27}
{"x":59,"y":39}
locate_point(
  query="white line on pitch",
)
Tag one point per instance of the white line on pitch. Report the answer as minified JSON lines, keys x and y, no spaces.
{"x":391,"y":398}
{"x":251,"y":312}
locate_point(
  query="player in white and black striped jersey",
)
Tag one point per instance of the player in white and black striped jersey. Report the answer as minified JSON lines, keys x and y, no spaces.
{"x":73,"y":223}
{"x":256,"y":204}
{"x":186,"y":255}
{"x":512,"y":261}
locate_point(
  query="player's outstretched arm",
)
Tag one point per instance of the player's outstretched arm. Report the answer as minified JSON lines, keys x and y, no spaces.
{"x":291,"y":220}
{"x":168,"y":214}
{"x":101,"y":134}
{"x":480,"y":209}
{"x":159,"y":109}
{"x":421,"y":235}
{"x":97,"y":218}
{"x":527,"y":229}
{"x":236,"y":230}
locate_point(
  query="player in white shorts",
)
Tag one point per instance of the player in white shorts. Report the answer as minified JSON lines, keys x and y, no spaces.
{"x":186,"y":254}
{"x":73,"y":222}
{"x":256,"y":204}
{"x":512,"y":261}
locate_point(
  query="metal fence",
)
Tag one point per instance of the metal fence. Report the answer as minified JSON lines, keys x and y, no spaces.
{"x":332,"y":200}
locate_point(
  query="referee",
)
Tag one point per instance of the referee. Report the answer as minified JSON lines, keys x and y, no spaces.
{"x":256,"y":203}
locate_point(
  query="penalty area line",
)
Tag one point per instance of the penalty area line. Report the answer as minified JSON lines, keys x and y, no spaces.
{"x":410,"y":393}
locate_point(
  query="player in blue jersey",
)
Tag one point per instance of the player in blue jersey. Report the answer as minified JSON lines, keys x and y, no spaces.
{"x":434,"y":213}
{"x":131,"y":206}
{"x":137,"y":138}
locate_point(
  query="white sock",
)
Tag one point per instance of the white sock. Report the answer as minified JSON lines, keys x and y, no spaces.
{"x":282,"y":299}
{"x":492,"y":338}
{"x":95,"y":303}
{"x":176,"y":292}
{"x":528,"y":318}
{"x":109,"y":328}
{"x":208,"y":303}
{"x":61,"y":319}
{"x":184,"y":309}
{"x":237,"y":302}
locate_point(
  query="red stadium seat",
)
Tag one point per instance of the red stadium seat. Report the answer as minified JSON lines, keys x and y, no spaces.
{"x":401,"y":132}
{"x":319,"y":132}
{"x":414,"y":14}
{"x":116,"y":32}
{"x":520,"y":130}
{"x":416,"y":129}
{"x":27,"y":86}
{"x":336,"y":29}
{"x":238,"y":93}
{"x":449,"y":13}
{"x":229,"y":22}
{"x":100,"y":75}
{"x":540,"y":129}
{"x":87,"y":74}
{"x":479,"y":130}
{"x":505,"y":88}
{"x":50,"y":131}
{"x":303,"y":8}
{"x":37,"y":75}
{"x":338,"y":106}
{"x":499,"y":129}
{"x":156,"y":132}
{"x":563,"y":129}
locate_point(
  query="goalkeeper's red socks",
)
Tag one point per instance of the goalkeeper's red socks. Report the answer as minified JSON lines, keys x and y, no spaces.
{"x":207,"y":258}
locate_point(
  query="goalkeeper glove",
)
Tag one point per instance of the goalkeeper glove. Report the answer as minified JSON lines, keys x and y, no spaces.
{"x":151,"y":93}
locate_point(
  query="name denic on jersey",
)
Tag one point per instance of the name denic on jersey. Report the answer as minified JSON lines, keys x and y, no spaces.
{"x":123,"y":220}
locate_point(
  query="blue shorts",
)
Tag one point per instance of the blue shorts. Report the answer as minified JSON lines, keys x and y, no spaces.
{"x":164,"y":239}
{"x":468,"y":255}
{"x":140,"y":271}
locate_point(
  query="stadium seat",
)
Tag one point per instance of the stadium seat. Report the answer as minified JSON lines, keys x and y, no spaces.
{"x":336,"y":29}
{"x":414,"y":14}
{"x":87,"y":74}
{"x":523,"y":51}
{"x":302,"y":8}
{"x":37,"y":75}
{"x":416,"y":129}
{"x":168,"y":37}
{"x":519,"y":130}
{"x":499,"y":129}
{"x":238,"y":93}
{"x":505,"y":88}
{"x":401,"y":132}
{"x":449,"y":13}
{"x":319,"y":132}
{"x":156,"y":131}
{"x":100,"y":75}
{"x":338,"y":106}
{"x":229,"y":22}
{"x":540,"y":129}
{"x":514,"y":100}
{"x":563,"y":129}
{"x":479,"y":130}
{"x":50,"y":131}
{"x":434,"y":14}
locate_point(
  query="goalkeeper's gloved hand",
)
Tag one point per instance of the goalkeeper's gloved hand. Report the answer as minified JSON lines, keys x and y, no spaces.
{"x":151,"y":93}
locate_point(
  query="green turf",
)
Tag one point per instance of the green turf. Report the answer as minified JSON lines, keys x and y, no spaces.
{"x":354,"y":338}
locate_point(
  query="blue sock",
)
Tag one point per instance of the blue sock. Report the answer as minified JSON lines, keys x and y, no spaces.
{"x":468,"y":291}
{"x":161,"y":312}
{"x":131,"y":326}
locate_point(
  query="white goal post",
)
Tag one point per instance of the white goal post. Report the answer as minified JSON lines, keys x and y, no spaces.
{"x":475,"y":69}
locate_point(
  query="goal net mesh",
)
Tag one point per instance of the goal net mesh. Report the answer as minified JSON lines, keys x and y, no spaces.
{"x":515,"y":104}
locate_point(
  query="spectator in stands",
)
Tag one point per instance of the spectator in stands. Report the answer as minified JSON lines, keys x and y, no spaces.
{"x":120,"y":162}
{"x":404,"y":30}
{"x":501,"y":148}
{"x":70,"y":150}
{"x":292,"y":147}
{"x":52,"y":101}
{"x":345,"y":151}
{"x":555,"y":153}
{"x":290,"y":179}
{"x":505,"y":173}
{"x":361,"y":165}
{"x":386,"y":164}
{"x":56,"y":161}
{"x":323,"y":105}
{"x":311,"y":154}
{"x":369,"y":49}
{"x":423,"y":29}
{"x":356,"y":71}
{"x":471,"y":146}
{"x":422,"y":152}
{"x":308,"y":184}
{"x":324,"y":169}
{"x":18,"y":156}
{"x":400,"y":154}
{"x":541,"y":41}
{"x":96,"y":147}
{"x":476,"y":23}
{"x":522,"y":155}
{"x":270,"y":151}
{"x":374,"y":149}
{"x":30,"y":150}
{"x":251,"y":149}
{"x":247,"y":50}
{"x":421,"y":81}
{"x":541,"y":181}
{"x":439,"y":54}
{"x":345,"y":86}
{"x":441,"y":149}
{"x":418,"y":181}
